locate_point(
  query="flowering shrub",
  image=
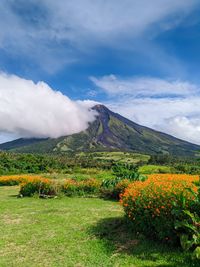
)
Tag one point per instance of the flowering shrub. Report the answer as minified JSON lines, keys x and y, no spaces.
{"x":150,"y":204}
{"x":73,"y":187}
{"x":38,"y":185}
{"x":10,"y":180}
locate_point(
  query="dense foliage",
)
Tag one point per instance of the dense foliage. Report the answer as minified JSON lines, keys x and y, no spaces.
{"x":28,"y":163}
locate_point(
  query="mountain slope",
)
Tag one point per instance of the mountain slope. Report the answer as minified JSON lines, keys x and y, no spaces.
{"x":110,"y":131}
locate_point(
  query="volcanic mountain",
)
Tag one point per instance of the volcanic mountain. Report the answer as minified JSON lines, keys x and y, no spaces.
{"x":109,"y":132}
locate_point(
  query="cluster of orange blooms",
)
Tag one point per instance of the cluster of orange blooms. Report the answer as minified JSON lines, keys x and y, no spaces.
{"x":152,"y":204}
{"x":10,"y":180}
{"x":34,"y":179}
{"x":16,"y":179}
{"x":158,"y":193}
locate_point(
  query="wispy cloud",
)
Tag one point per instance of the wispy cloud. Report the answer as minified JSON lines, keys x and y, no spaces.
{"x":54,"y":33}
{"x":29,"y":109}
{"x":144,"y":86}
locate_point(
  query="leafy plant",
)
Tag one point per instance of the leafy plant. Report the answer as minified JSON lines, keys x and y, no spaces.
{"x":124,"y":175}
{"x":188,"y":223}
{"x":127,"y":171}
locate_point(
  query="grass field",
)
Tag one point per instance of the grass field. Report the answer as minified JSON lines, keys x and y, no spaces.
{"x":74,"y":232}
{"x":151,"y":169}
{"x":121,"y":157}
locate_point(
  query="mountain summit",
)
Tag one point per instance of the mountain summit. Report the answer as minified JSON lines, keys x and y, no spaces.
{"x":110,"y":131}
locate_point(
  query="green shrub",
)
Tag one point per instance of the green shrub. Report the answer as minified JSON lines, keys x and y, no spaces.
{"x":111,"y":189}
{"x":78,"y":188}
{"x":125,"y":174}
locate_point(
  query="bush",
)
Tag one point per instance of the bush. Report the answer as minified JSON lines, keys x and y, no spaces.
{"x":125,"y":171}
{"x":150,"y":204}
{"x":40,"y":186}
{"x":77,"y":188}
{"x":111,"y":189}
{"x":125,"y":174}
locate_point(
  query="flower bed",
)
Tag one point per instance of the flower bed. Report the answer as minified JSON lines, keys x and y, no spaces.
{"x":151,"y":204}
{"x":10,"y":180}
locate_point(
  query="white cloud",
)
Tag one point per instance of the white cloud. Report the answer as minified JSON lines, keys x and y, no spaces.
{"x":187,"y":127}
{"x":29,"y":109}
{"x":143,"y":86}
{"x":101,"y":19}
{"x":168,"y":106}
{"x":178,"y":117}
{"x":53,"y":33}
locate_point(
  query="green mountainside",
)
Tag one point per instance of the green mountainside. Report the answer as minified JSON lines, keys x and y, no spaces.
{"x":109,"y":132}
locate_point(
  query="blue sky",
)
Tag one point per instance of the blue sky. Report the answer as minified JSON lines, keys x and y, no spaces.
{"x":141,"y":58}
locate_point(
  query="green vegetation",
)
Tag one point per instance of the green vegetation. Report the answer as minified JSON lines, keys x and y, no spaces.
{"x":121,"y":157}
{"x":72,"y":232}
{"x":97,"y":165}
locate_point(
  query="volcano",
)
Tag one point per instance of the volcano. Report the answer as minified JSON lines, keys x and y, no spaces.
{"x":109,"y":132}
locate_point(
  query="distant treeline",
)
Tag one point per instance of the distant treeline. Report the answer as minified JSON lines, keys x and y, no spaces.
{"x":14,"y":163}
{"x":180,"y":165}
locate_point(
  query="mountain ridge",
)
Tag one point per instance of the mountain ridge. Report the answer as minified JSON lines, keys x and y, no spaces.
{"x":109,"y":131}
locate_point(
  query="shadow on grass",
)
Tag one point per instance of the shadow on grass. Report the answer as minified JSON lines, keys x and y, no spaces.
{"x":119,"y":239}
{"x":15,"y":196}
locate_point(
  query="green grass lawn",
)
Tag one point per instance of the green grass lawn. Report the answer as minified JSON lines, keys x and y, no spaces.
{"x":74,"y":232}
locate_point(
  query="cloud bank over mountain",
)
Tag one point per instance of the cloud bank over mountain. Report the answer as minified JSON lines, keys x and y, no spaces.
{"x":29,"y":109}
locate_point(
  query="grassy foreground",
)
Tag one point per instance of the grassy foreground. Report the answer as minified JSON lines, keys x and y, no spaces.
{"x":74,"y":232}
